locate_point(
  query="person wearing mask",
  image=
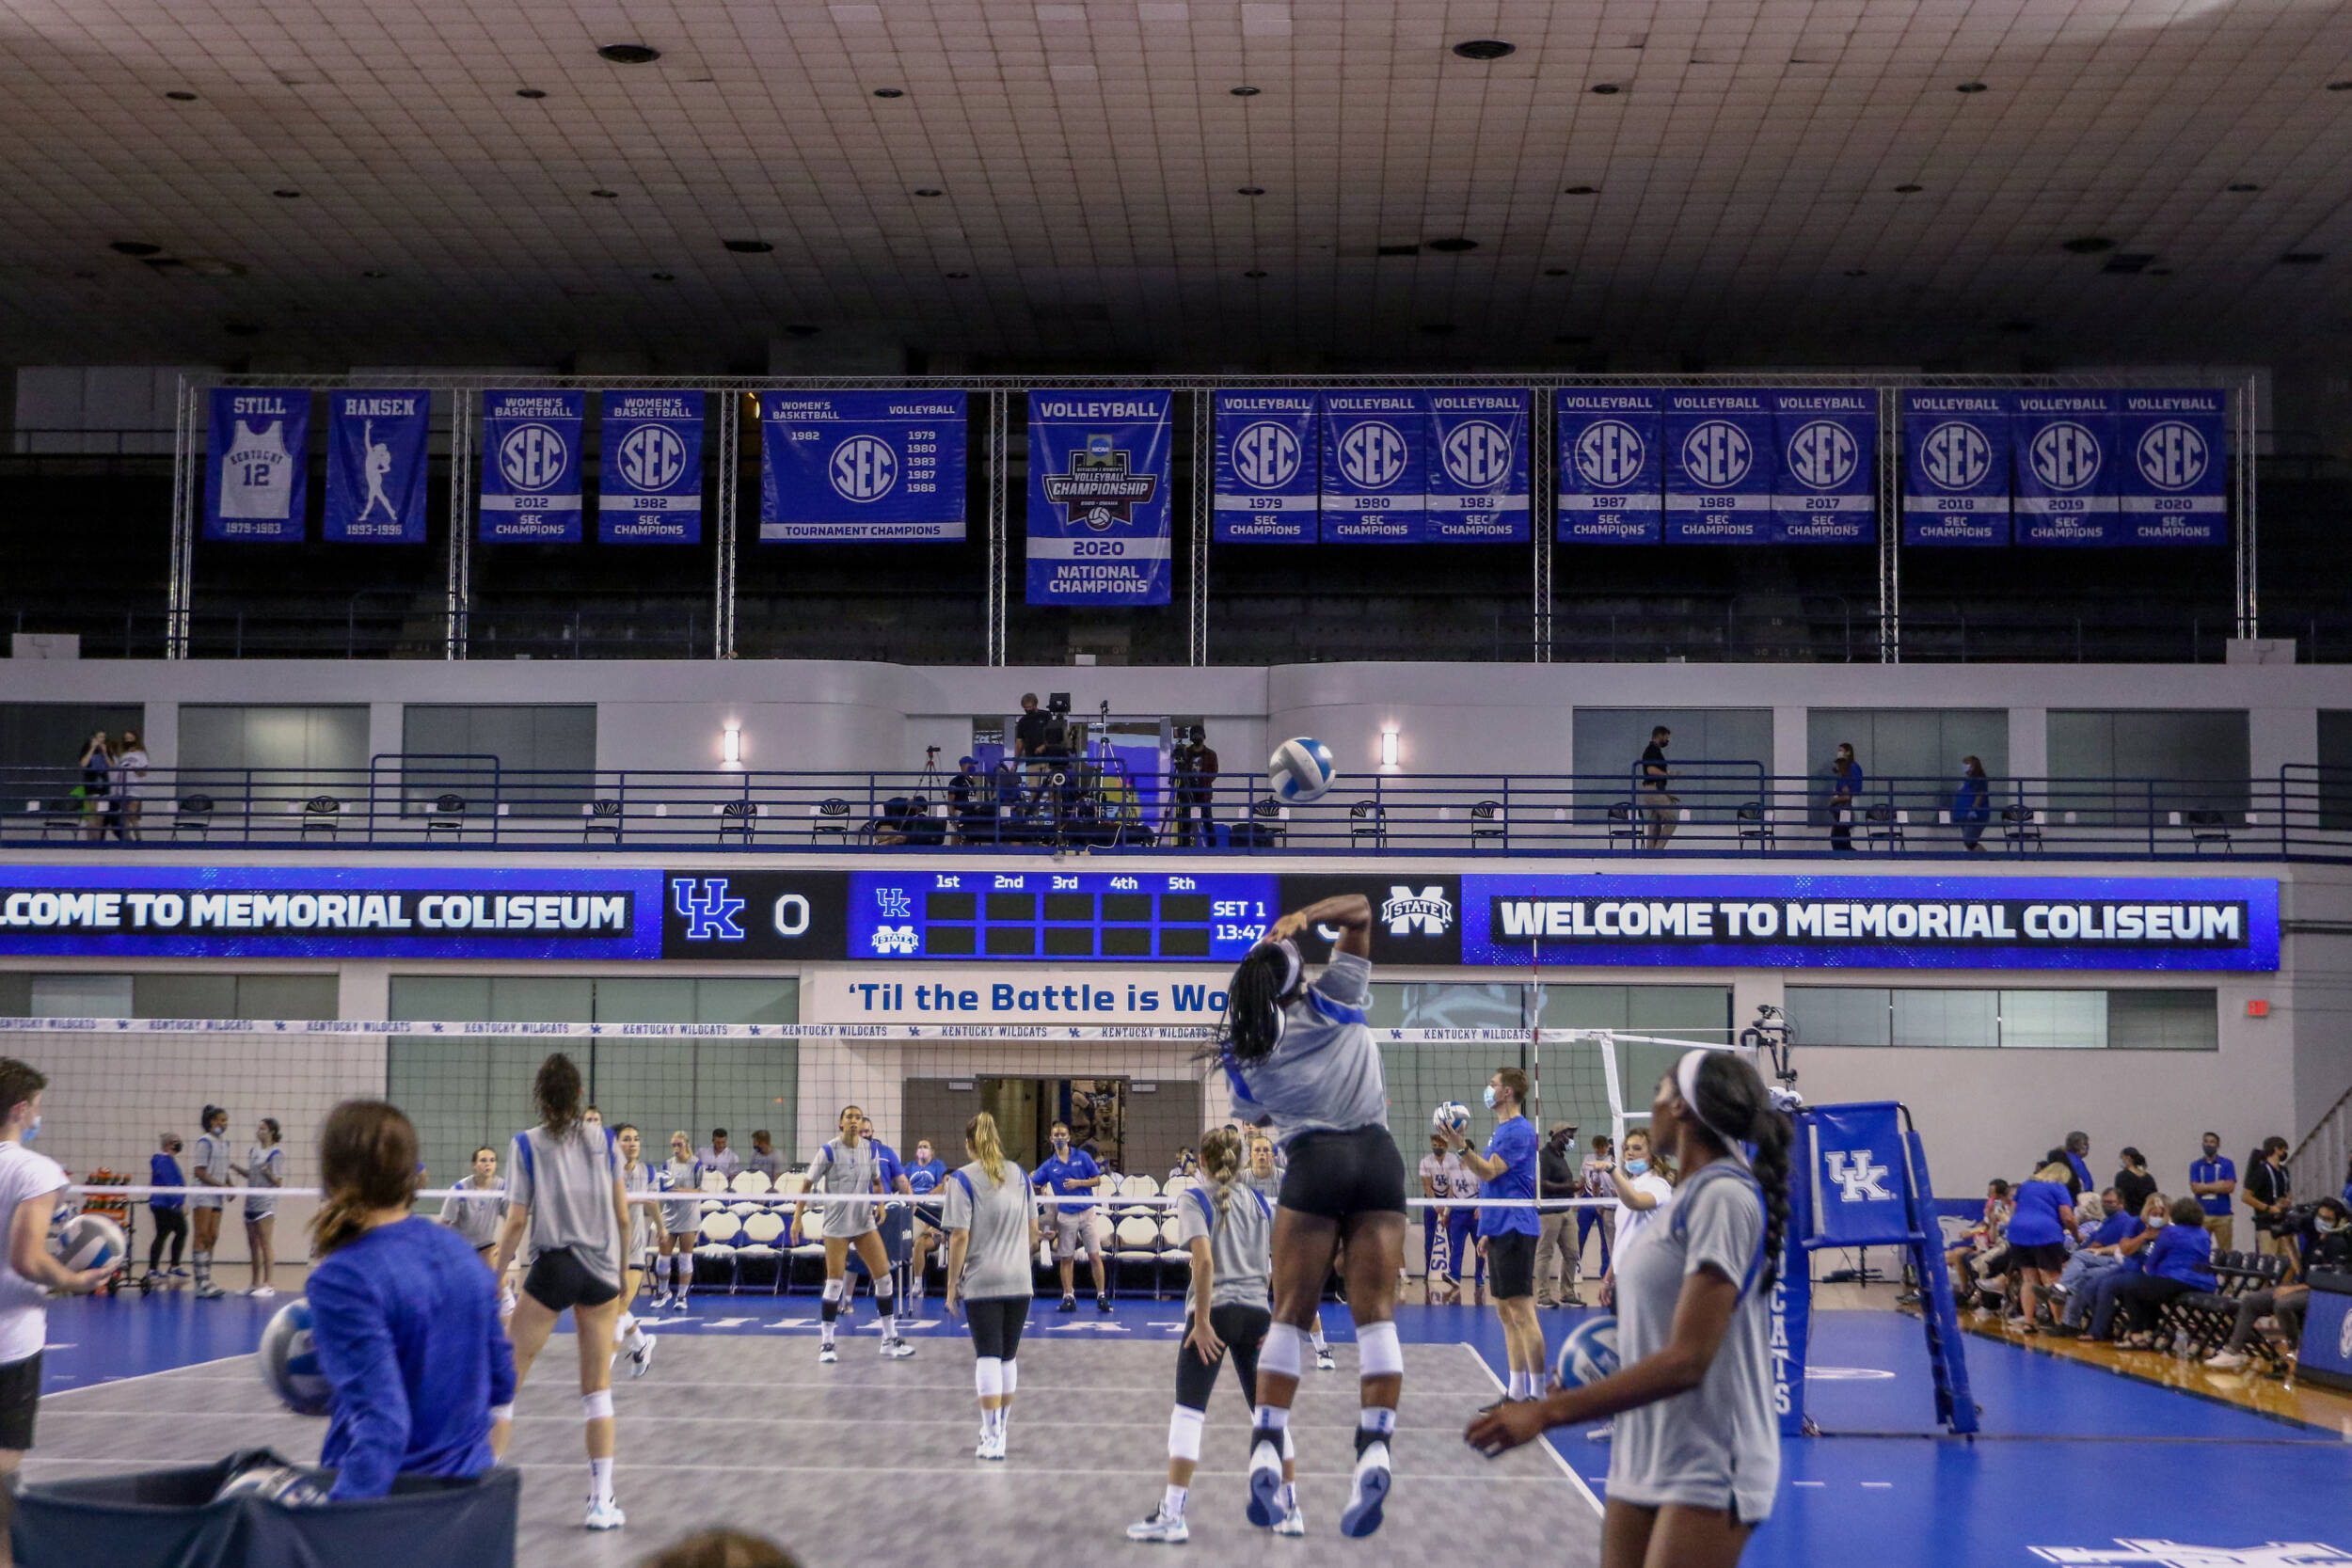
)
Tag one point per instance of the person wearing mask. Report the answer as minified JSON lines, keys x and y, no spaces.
{"x":2178,"y":1260}
{"x":1074,"y":1171}
{"x":2101,"y":1251}
{"x":1194,"y":768}
{"x":1506,"y":1233}
{"x":763,"y":1157}
{"x":1557,"y":1266}
{"x":2133,"y":1182}
{"x":1437,"y":1169}
{"x":1028,"y":739}
{"x":1463,"y":1255}
{"x":1597,"y":1185}
{"x":2040,"y":1229}
{"x":2083,"y":1308}
{"x":1638,"y":1189}
{"x":2211,"y":1181}
{"x":2331,"y":1249}
{"x":127,"y":780}
{"x":2079,"y":1162}
{"x":923,"y":1178}
{"x":970,"y":808}
{"x":479,"y":1206}
{"x":264,"y":1172}
{"x":1657,"y":776}
{"x":1972,"y":804}
{"x":213,"y":1168}
{"x":2270,"y":1192}
{"x":168,"y":1211}
{"x":97,"y":765}
{"x":1845,"y":784}
{"x":717,"y":1156}
{"x":405,"y":1320}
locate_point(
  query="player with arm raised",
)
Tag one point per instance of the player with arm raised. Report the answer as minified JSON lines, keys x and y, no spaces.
{"x":1301,"y":1058}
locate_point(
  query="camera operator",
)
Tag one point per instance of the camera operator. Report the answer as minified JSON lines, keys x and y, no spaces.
{"x":971,"y":805}
{"x":1195,"y":769}
{"x":1029,"y":738}
{"x":2330,"y":1246}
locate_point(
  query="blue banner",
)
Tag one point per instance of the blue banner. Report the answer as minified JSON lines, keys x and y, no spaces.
{"x":1955,"y":469}
{"x":1098,"y":498}
{"x":1792,"y":1335}
{"x":1828,"y":444}
{"x":1859,"y":1176}
{"x":1374,"y":491}
{"x":2065,"y":446}
{"x":1266,"y":473}
{"x":1477,"y":466}
{"x":257,"y":464}
{"x":1720,"y":463}
{"x":530,"y":467}
{"x":1612,"y":465}
{"x":861,"y":465}
{"x":377,"y":460}
{"x":649,"y":490}
{"x":2174,"y":485}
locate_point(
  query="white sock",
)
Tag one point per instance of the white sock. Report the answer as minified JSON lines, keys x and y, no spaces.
{"x":1289,"y":1498}
{"x":599,"y":1480}
{"x":632,"y":1336}
{"x":993,"y":1421}
{"x":1172,"y":1502}
{"x":1269,"y":1417}
{"x":1315,"y":1334}
{"x":1519,"y":1385}
{"x":1375,"y":1418}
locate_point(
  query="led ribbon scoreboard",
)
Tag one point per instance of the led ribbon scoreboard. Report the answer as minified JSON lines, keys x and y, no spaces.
{"x":1041,"y":914}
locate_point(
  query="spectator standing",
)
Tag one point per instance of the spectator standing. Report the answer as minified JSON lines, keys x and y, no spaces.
{"x":763,"y":1157}
{"x":2133,"y":1181}
{"x":1028,"y":739}
{"x":2040,"y":1229}
{"x":1556,"y":1255}
{"x":2078,"y":1161}
{"x":1844,"y":782}
{"x":1640,"y":1192}
{"x":1074,"y":1171}
{"x":717,"y":1156}
{"x":1972,"y":804}
{"x":2270,"y":1192}
{"x":129,"y":785}
{"x":97,"y":765}
{"x":1656,"y":777}
{"x":1506,"y":1233}
{"x":1597,"y":1185}
{"x":1195,"y":766}
{"x":2211,"y":1181}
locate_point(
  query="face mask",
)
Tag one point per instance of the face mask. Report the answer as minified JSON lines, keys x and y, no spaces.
{"x":1490,"y":1097}
{"x":1635,"y":1167}
{"x":32,"y":1130}
{"x":2159,"y":1222}
{"x":2326,"y":1228}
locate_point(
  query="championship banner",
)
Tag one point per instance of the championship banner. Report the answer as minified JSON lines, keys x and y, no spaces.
{"x":1373,"y":489}
{"x":530,"y":467}
{"x":1611,"y":466}
{"x":2065,"y":446}
{"x":1720,"y":457}
{"x":1828,"y":444}
{"x":1478,"y":468}
{"x":376,"y":458}
{"x":2173,"y":489}
{"x":839,"y":466}
{"x":1266,"y":474}
{"x":256,"y":463}
{"x":650,"y":488}
{"x":1098,"y":498}
{"x":1955,"y":469}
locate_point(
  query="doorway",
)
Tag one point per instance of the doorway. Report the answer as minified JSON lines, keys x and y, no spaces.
{"x":1131,"y":1125}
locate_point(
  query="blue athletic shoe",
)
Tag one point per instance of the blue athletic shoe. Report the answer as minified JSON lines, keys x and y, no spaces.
{"x":1265,"y":1480}
{"x":1362,"y":1514}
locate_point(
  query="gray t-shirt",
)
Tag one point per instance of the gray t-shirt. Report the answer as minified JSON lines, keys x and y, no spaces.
{"x":1241,"y":1245}
{"x":1718,"y":1444}
{"x":211,"y":1158}
{"x":841,"y":1169}
{"x":264,"y":1170}
{"x":682,"y":1216}
{"x":1325,"y":1075}
{"x":566,"y":1185}
{"x":477,"y":1219}
{"x":636,"y":1179}
{"x":998,"y":1213}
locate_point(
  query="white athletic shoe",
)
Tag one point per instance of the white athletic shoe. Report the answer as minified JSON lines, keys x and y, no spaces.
{"x":1323,"y":1360}
{"x":1292,"y":1523}
{"x":1362,"y":1514}
{"x":992,"y":1446}
{"x":641,"y":1358}
{"x":826,"y":1356}
{"x":678,"y":1301}
{"x":606,"y":1515}
{"x":895,"y":1349}
{"x":209,"y":1292}
{"x":261,"y":1292}
{"x":1266,"y":1484}
{"x":2226,"y":1360}
{"x":1160,"y":1528}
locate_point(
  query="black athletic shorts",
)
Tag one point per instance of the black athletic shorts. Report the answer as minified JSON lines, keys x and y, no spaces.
{"x":2050,"y":1257}
{"x":1511,"y":1264}
{"x":1335,"y":1174}
{"x":996,"y":1325}
{"x":1243,"y":1330}
{"x":559,"y":1281}
{"x":19,"y":1401}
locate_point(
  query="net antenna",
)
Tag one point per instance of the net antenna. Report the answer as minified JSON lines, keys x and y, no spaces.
{"x":1612,"y":1074}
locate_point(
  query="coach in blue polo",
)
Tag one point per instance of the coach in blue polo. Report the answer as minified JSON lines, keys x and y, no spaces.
{"x":2211,"y":1181}
{"x":1508,"y":1234}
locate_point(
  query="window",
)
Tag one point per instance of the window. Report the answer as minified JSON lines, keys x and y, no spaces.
{"x":2021,"y":1019}
{"x":212,"y":993}
{"x":2114,"y":766}
{"x":41,"y":745}
{"x":297,"y":752}
{"x":1719,"y":755}
{"x":1915,"y":753}
{"x":2335,"y":768}
{"x":541,"y":757}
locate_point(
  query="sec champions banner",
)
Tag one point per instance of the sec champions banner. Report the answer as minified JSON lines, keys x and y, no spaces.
{"x":1720,"y":462}
{"x":650,"y":491}
{"x":861,"y":465}
{"x":1955,"y":469}
{"x":1373,"y":486}
{"x":1612,"y":470}
{"x":1098,"y":498}
{"x":2065,"y":447}
{"x":2174,"y":485}
{"x":258,"y":463}
{"x":530,"y":467}
{"x":1828,"y":488}
{"x":1266,"y":472}
{"x":376,"y":465}
{"x":1478,"y":466}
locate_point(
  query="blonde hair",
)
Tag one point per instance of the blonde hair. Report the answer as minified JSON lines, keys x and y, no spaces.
{"x":2057,"y":1170}
{"x":980,"y":1136}
{"x":1220,"y":1164}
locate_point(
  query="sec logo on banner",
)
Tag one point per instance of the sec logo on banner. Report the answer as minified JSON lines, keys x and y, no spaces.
{"x":1956,"y":456}
{"x":1717,"y":454}
{"x":2171,"y":455}
{"x":863,"y":469}
{"x":1267,"y":455}
{"x":2065,"y":455}
{"x":1373,"y":454}
{"x":1823,"y":454}
{"x":652,"y":457}
{"x":533,"y":457}
{"x":1477,"y":454}
{"x":1609,"y":454}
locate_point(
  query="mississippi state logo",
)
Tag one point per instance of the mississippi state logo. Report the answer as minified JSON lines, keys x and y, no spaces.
{"x":1266,"y":455}
{"x":1371,"y":454}
{"x":652,"y":457}
{"x":2065,"y":455}
{"x":863,"y":469}
{"x":1477,"y":454}
{"x":1609,"y":454}
{"x":1717,"y":455}
{"x":1823,"y":454}
{"x":2171,"y":455}
{"x":533,"y":457}
{"x":1429,"y":911}
{"x":1956,"y":456}
{"x":1100,"y":490}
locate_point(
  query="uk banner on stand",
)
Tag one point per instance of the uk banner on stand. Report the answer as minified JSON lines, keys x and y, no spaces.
{"x":1267,"y":479}
{"x":1828,"y":444}
{"x":1374,"y":491}
{"x":2174,"y":487}
{"x":530,"y":467}
{"x":861,"y":465}
{"x":1478,"y":466}
{"x":376,"y":466}
{"x":2065,"y":454}
{"x":1955,"y":469}
{"x":257,"y":467}
{"x":1098,"y":498}
{"x":1719,"y":468}
{"x":1611,"y":463}
{"x":650,"y":488}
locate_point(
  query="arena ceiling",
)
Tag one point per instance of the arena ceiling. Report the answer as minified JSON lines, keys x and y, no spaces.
{"x":1191,"y":183}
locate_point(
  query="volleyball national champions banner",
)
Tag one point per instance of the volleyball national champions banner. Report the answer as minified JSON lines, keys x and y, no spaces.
{"x":1955,"y":469}
{"x":649,"y":490}
{"x":1720,"y":463}
{"x":1477,"y":466}
{"x":1611,"y":465}
{"x":256,"y":463}
{"x":2065,"y":454}
{"x":1268,"y":478}
{"x":1374,"y":491}
{"x":530,"y":467}
{"x":1098,"y":498}
{"x":2173,"y":488}
{"x":377,"y":457}
{"x":1828,"y":443}
{"x":861,"y":465}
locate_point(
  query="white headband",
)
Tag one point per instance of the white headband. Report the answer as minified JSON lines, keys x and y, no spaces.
{"x":1687,"y":1081}
{"x":1296,"y":966}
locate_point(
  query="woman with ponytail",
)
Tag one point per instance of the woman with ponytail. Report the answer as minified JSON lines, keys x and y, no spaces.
{"x":990,"y":1215}
{"x":405,"y":1321}
{"x":1695,"y":1458}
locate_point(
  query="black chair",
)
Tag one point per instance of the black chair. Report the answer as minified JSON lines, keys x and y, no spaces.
{"x":2207,"y":826}
{"x":67,"y":818}
{"x":1754,"y":826}
{"x":445,"y":814}
{"x":1624,"y":822}
{"x":194,"y":818}
{"x":2022,"y":827}
{"x":1882,"y":825}
{"x":739,"y":817}
{"x":833,"y":819}
{"x":1487,"y":820}
{"x":600,"y":817}
{"x":1368,"y":819}
{"x":320,"y":814}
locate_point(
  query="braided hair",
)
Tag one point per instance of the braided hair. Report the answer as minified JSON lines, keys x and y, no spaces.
{"x":1262,"y":983}
{"x":1221,"y":1165}
{"x":1732,"y":1097}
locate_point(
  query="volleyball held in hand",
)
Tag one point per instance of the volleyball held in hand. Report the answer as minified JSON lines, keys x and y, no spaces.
{"x":1300,"y":770}
{"x":1588,"y":1353}
{"x":290,"y":1361}
{"x":90,"y":1242}
{"x":1451,"y":1115}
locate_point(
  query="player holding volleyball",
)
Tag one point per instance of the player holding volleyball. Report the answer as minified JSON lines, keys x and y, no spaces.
{"x":1301,"y":1056}
{"x":851,"y":1163}
{"x":990,"y":1214}
{"x":1695,"y":1457}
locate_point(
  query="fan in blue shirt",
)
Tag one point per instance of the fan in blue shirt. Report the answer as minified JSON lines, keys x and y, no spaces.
{"x":2213,"y":1178}
{"x":1507,"y":1234}
{"x":2178,"y":1260}
{"x":923,"y":1178}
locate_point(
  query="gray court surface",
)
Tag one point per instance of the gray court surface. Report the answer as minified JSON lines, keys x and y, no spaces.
{"x":872,"y":1460}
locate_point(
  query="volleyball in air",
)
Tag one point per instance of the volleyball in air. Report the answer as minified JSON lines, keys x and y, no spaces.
{"x":1300,"y":770}
{"x":1588,"y":1353}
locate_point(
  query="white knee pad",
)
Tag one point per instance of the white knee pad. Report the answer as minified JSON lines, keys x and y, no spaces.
{"x":502,"y":1413}
{"x":1376,"y":1352}
{"x":1285,"y":1351}
{"x":596,"y":1406}
{"x":883,"y":1286}
{"x":1012,"y":1377}
{"x":832,"y":1289}
{"x":1184,"y":1434}
{"x":988,"y":1376}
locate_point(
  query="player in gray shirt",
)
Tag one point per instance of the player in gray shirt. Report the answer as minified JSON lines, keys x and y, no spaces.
{"x":681,"y":1223}
{"x":990,"y":1215}
{"x":1696,"y":1427}
{"x":477,"y":1218}
{"x":848,"y":1164}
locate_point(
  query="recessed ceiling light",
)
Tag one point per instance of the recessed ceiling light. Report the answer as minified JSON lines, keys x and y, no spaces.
{"x":958,"y":277}
{"x":629,"y":53}
{"x":1245,"y":92}
{"x":2159,"y":271}
{"x":1255,"y":272}
{"x":663,"y":277}
{"x":1485,"y":49}
{"x":1555,"y":272}
{"x":890,"y":92}
{"x":135,"y":247}
{"x":284,"y":194}
{"x":2340,"y":86}
{"x":1574,"y":338}
{"x":1581,"y":190}
{"x":241,"y":329}
{"x":605,"y":195}
{"x":2242,"y":186}
{"x":1605,"y":88}
{"x":1969,"y":86}
{"x":181,"y":97}
{"x":802,"y":330}
{"x":1396,"y":250}
{"x":375,"y":272}
{"x":1435,"y":329}
{"x":1249,"y":190}
{"x":2088,"y":245}
{"x":529,"y":93}
{"x":2302,"y":258}
{"x":929,"y":191}
{"x":750,"y":248}
{"x":1857,"y":272}
{"x":2017,"y":326}
{"x":1909,"y":190}
{"x":1452,"y":246}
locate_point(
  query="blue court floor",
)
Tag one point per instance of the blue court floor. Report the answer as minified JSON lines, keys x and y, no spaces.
{"x":2076,"y":1464}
